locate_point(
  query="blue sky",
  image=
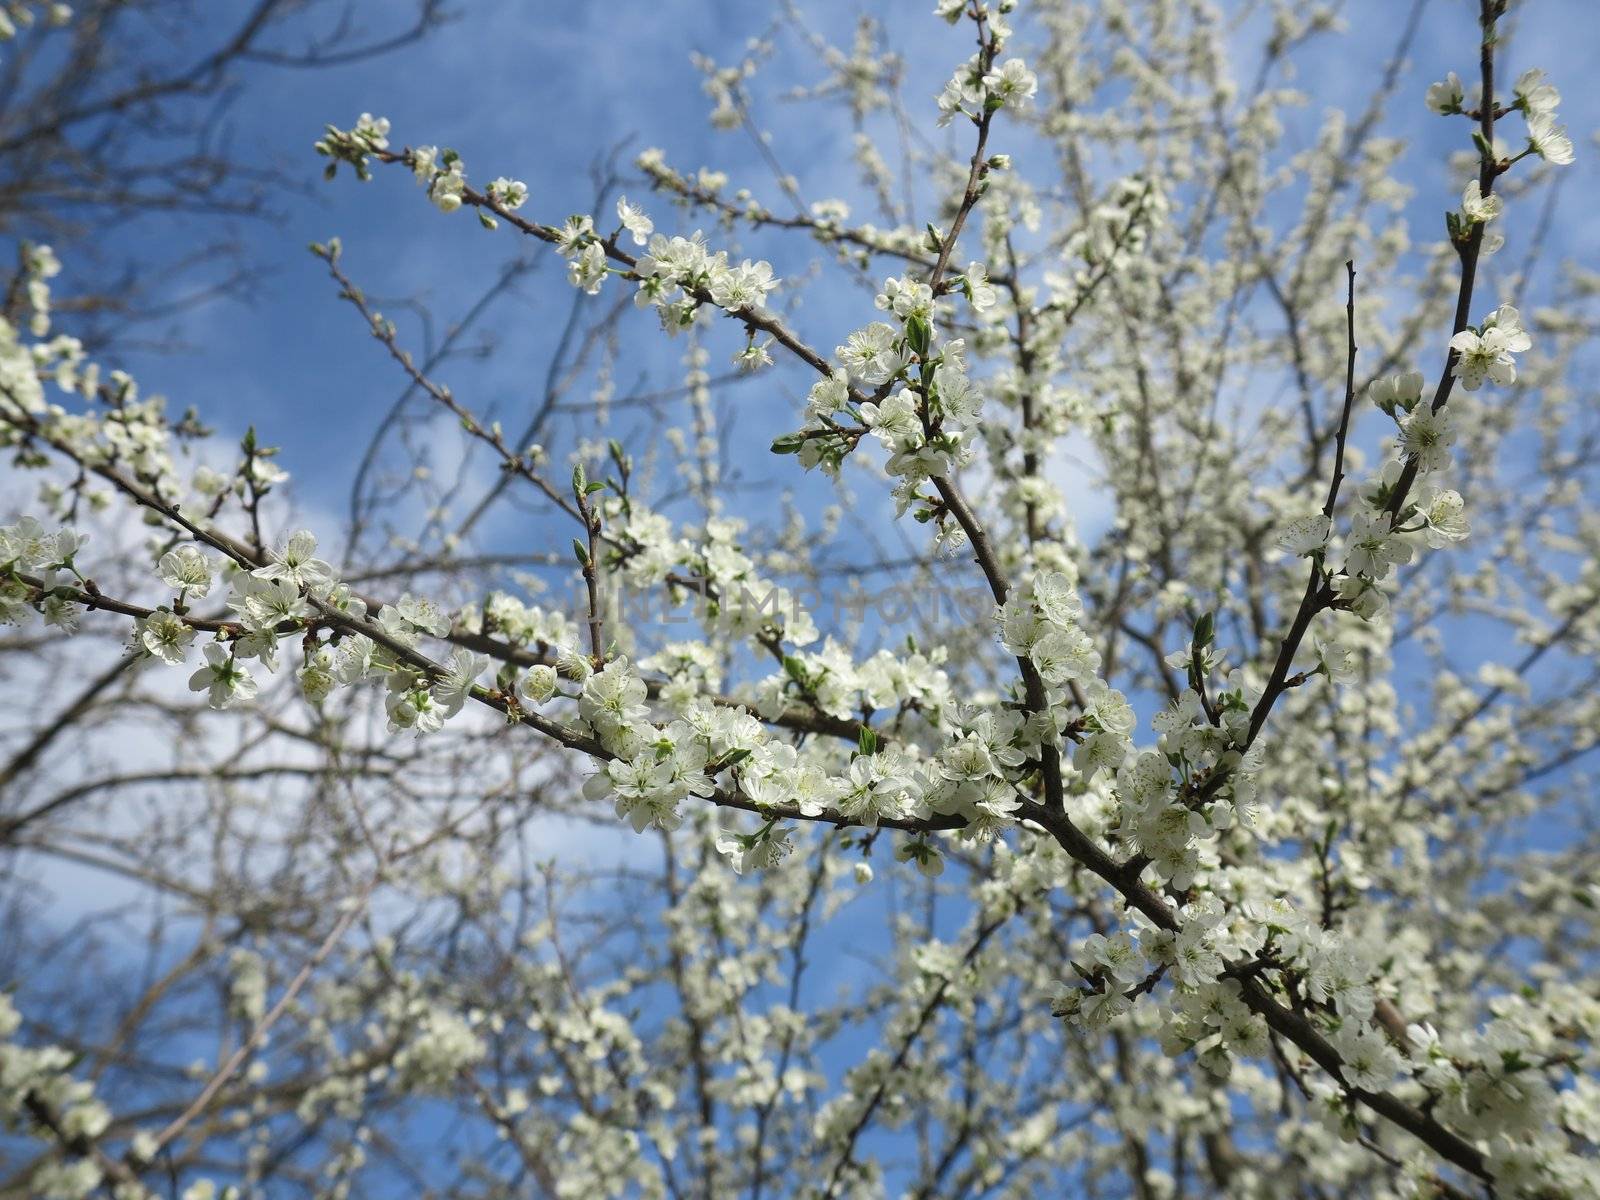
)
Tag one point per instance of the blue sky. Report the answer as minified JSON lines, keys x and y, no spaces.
{"x":540,"y":92}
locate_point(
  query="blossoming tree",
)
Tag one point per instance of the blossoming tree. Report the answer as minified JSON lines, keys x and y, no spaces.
{"x":1243,"y":849}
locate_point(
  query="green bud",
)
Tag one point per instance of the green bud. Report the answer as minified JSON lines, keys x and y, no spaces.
{"x":919,"y":336}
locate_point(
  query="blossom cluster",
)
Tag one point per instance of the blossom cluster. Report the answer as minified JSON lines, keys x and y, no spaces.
{"x":1170,"y":850}
{"x":1532,"y":96}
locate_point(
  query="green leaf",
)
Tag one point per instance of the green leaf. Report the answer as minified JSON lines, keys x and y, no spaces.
{"x":788,"y":443}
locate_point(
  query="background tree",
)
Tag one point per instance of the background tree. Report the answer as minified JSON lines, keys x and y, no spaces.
{"x":602,"y":829}
{"x":115,"y":112}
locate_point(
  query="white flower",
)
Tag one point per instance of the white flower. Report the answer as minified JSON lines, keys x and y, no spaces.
{"x":417,"y":613}
{"x":635,"y":221}
{"x":1486,"y":354}
{"x":208,"y":482}
{"x":297,"y":565}
{"x":1179,"y":715}
{"x":440,"y":1046}
{"x":1428,"y":435}
{"x":1373,"y":547}
{"x":743,"y":287}
{"x":1369,"y":1061}
{"x":61,"y":612}
{"x":187,"y":569}
{"x":374,"y":130}
{"x":1479,"y":208}
{"x":647,"y":789}
{"x":411,"y":705}
{"x":871,"y":354}
{"x":1361,"y":596}
{"x":753,"y":356}
{"x":26,"y":544}
{"x":1549,"y":140}
{"x":828,"y":396}
{"x":163,"y":635}
{"x":1391,"y":392}
{"x":538,"y":685}
{"x":1534,"y":95}
{"x":265,"y":604}
{"x":222,"y":678}
{"x":962,"y":93}
{"x":1056,"y":598}
{"x":452,"y":691}
{"x":509,"y":194}
{"x":1306,"y":535}
{"x":588,"y":269}
{"x":69,"y":1179}
{"x":573,"y":235}
{"x":355,"y":659}
{"x":894,"y":422}
{"x":445,"y":183}
{"x":1099,"y":752}
{"x":1116,"y":955}
{"x":1065,"y":654}
{"x":316,"y":674}
{"x":1337,"y":661}
{"x":1446,"y":522}
{"x":906,"y":298}
{"x":1013,"y":84}
{"x":880,"y":785}
{"x":966,"y":759}
{"x":747,"y":851}
{"x":424,"y":162}
{"x":959,"y":398}
{"x":1099,"y":1009}
{"x":1446,"y":96}
{"x":1195,"y":958}
{"x":980,"y":292}
{"x":613,"y":700}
